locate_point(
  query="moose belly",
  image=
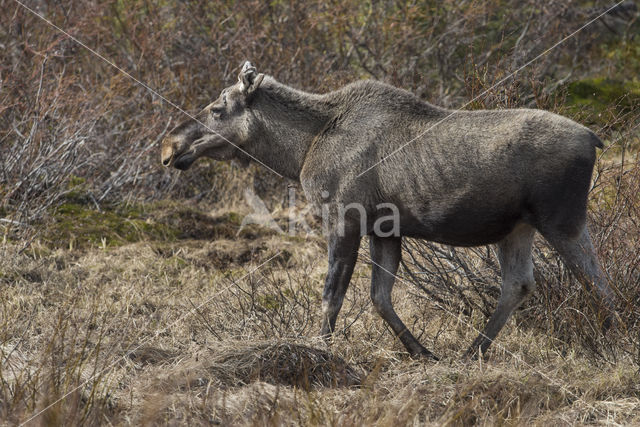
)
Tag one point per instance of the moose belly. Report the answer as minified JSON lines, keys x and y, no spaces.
{"x":474,"y":223}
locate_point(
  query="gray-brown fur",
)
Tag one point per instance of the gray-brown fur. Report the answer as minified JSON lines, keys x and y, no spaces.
{"x":474,"y":178}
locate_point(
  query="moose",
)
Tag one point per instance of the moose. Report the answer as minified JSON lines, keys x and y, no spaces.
{"x":460,"y":178}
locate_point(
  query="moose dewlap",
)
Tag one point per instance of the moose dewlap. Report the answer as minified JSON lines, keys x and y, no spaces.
{"x":463,"y":178}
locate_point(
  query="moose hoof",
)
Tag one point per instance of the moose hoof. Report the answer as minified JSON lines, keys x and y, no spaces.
{"x":327,"y":338}
{"x":470,"y":355}
{"x":326,"y":335}
{"x":423,"y":353}
{"x":473,"y":353}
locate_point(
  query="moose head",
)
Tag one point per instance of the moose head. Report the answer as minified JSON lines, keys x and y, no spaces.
{"x":220,"y":130}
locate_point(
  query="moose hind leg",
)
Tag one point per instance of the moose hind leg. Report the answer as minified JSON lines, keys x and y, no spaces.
{"x":579,"y":255}
{"x":514,"y":254}
{"x":385,"y":254}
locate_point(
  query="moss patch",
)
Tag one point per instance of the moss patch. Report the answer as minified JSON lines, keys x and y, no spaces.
{"x":80,"y":225}
{"x":601,"y":101}
{"x":75,"y":225}
{"x":193,"y":224}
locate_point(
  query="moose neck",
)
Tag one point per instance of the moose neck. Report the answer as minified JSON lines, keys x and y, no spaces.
{"x":289,"y":120}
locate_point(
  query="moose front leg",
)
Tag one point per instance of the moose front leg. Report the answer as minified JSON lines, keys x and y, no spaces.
{"x":385,"y":256}
{"x":343,"y":253}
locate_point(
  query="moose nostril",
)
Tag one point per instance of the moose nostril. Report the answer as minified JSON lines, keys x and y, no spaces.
{"x":166,"y":161}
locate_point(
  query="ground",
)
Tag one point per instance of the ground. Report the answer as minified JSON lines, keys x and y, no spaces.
{"x":163,"y":327}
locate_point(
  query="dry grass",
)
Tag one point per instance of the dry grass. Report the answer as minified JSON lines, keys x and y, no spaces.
{"x":185,"y":332}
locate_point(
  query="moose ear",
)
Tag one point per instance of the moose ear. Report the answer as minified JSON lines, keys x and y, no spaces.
{"x":249,"y":78}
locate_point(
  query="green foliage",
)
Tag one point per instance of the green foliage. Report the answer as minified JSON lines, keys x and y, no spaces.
{"x":601,"y":100}
{"x":605,"y":91}
{"x":77,"y":225}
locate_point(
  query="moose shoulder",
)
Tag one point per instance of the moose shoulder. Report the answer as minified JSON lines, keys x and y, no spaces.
{"x":463,"y":178}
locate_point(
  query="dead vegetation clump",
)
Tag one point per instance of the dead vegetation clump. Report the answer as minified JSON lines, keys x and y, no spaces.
{"x":280,"y":363}
{"x":232,"y":364}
